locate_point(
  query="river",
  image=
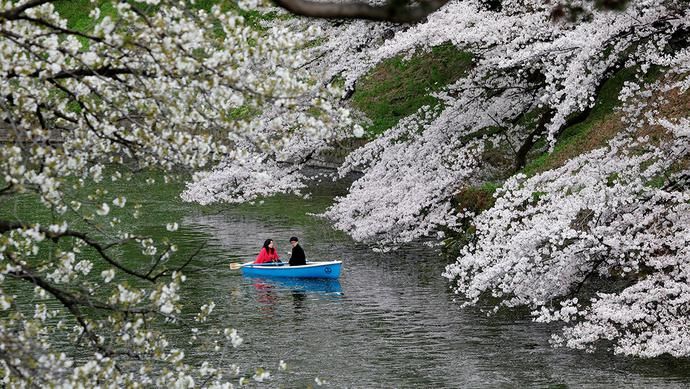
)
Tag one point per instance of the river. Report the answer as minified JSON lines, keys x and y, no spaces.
{"x":389,"y":321}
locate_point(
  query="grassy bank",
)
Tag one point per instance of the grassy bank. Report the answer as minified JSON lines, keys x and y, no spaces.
{"x":397,"y":87}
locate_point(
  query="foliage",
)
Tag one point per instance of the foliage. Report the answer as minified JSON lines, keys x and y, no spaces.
{"x":76,"y":13}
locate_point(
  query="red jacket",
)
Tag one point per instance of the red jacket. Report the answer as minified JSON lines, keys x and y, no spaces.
{"x":265,"y":257}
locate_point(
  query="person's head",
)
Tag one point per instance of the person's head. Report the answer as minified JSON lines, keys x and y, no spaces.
{"x":268,"y":245}
{"x":293,"y":241}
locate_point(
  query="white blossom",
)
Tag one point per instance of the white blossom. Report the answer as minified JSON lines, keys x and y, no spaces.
{"x":120,"y":201}
{"x":103,"y":210}
{"x":108,"y":275}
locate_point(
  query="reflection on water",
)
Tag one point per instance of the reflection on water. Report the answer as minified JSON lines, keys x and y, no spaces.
{"x":304,"y":285}
{"x":389,"y":321}
{"x":269,"y":290}
{"x":298,"y":297}
{"x":266,"y":296}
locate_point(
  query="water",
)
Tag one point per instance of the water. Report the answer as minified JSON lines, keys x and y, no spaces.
{"x":389,"y":321}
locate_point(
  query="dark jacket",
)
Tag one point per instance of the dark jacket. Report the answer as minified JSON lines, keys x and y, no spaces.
{"x":298,"y":258}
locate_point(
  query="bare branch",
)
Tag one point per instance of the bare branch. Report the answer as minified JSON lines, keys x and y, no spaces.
{"x":179,"y":269}
{"x":393,"y":11}
{"x":105,"y":71}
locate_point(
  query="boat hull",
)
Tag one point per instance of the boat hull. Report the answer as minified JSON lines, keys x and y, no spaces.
{"x":330,"y":270}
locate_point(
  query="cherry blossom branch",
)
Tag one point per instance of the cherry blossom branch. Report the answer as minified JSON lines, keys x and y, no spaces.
{"x":105,"y":71}
{"x":6,"y":226}
{"x":65,"y":299}
{"x":73,"y":303}
{"x":14,"y":13}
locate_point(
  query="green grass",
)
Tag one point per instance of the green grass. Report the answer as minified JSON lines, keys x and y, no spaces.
{"x":598,"y":128}
{"x":397,"y":88}
{"x":252,"y":18}
{"x":243,"y":112}
{"x":474,"y":199}
{"x":76,"y":12}
{"x":477,"y":198}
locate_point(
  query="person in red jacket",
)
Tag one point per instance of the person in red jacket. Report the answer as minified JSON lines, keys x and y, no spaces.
{"x":268,"y":253}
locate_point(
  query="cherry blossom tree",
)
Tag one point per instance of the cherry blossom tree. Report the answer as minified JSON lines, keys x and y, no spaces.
{"x":156,"y":86}
{"x":599,"y":244}
{"x":153,"y":85}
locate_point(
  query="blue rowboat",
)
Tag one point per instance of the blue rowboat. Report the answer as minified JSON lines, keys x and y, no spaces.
{"x":330,"y":269}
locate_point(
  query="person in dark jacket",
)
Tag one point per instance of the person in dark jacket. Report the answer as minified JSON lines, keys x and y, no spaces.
{"x":297,"y":258}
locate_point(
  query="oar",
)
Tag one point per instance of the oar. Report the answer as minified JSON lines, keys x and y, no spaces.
{"x":235,"y":266}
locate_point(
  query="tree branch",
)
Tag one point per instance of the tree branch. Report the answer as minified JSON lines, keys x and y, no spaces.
{"x":179,"y":269}
{"x":393,"y":11}
{"x":66,"y":300}
{"x":531,"y":140}
{"x":59,"y":29}
{"x":105,"y":71}
{"x":8,"y":226}
{"x":14,"y":13}
{"x":6,"y":189}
